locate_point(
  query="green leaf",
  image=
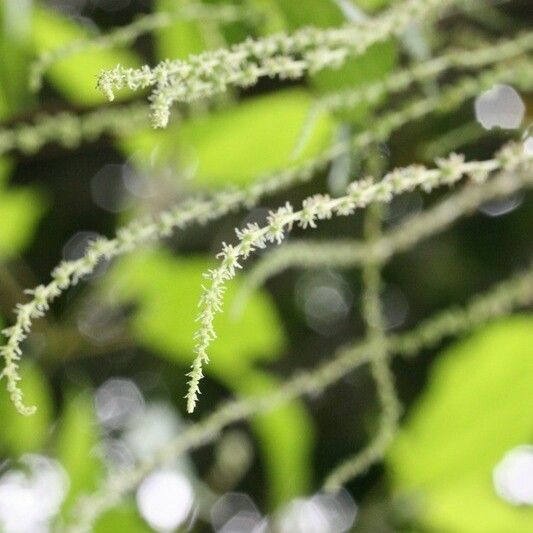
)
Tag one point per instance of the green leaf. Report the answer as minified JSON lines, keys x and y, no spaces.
{"x":310,"y":13}
{"x":273,"y":18}
{"x":23,"y":434}
{"x":237,"y":144}
{"x":186,"y":37}
{"x":75,"y":76}
{"x":15,"y":28}
{"x":373,"y":65}
{"x":372,"y":5}
{"x":166,"y":290}
{"x":121,"y":518}
{"x":477,"y":406}
{"x":76,"y":441}
{"x":182,"y":38}
{"x":322,"y":13}
{"x":21,"y":209}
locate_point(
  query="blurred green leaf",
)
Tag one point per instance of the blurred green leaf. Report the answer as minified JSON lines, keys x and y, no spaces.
{"x":76,"y":442}
{"x":75,"y":76}
{"x":372,"y":5}
{"x":273,"y":18}
{"x":23,"y":434}
{"x":121,"y":518}
{"x":310,"y":13}
{"x":182,"y":38}
{"x":15,"y":28}
{"x":166,"y":290}
{"x":21,"y":208}
{"x":186,"y":37}
{"x":373,"y":65}
{"x":322,"y":13}
{"x":477,"y":406}
{"x":236,"y":145}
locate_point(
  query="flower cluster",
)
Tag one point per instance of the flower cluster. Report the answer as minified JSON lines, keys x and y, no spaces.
{"x":344,"y":253}
{"x":125,"y":35}
{"x":489,"y":54}
{"x":307,"y":51}
{"x":69,"y":273}
{"x":359,"y":195}
{"x":287,"y":56}
{"x":373,"y":93}
{"x":130,"y":237}
{"x":198,"y":210}
{"x":450,"y":97}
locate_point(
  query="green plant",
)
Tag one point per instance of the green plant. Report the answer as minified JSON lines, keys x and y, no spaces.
{"x":195,"y":83}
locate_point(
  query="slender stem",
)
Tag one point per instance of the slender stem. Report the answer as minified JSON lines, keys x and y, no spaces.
{"x":347,"y":253}
{"x":379,"y":366}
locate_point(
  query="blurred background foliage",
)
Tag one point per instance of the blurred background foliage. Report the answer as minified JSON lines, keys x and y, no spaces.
{"x":133,"y":322}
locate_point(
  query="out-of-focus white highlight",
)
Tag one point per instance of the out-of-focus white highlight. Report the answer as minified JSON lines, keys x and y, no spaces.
{"x":117,"y":401}
{"x":325,"y":299}
{"x":151,"y":429}
{"x":31,"y":497}
{"x":108,"y":189}
{"x":503,"y":206}
{"x":322,"y":513}
{"x":235,"y":512}
{"x":513,"y":476}
{"x":528,"y":145}
{"x":244,"y":523}
{"x":76,"y":247}
{"x":500,"y":107}
{"x":165,"y":499}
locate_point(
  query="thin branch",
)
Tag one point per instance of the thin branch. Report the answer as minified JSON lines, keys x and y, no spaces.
{"x":125,"y":35}
{"x":379,"y":366}
{"x":347,"y":253}
{"x":401,"y":80}
{"x":320,"y":207}
{"x":69,"y":273}
{"x":448,"y":99}
{"x":286,"y":56}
